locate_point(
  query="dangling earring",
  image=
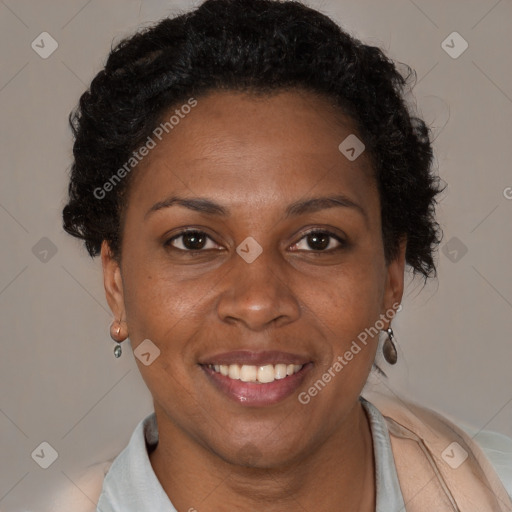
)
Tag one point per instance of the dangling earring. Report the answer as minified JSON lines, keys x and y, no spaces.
{"x":389,"y":348}
{"x":118,"y":350}
{"x":115,"y":334}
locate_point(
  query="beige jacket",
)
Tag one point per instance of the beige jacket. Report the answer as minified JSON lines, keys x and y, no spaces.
{"x":434,"y":473}
{"x":430,"y":457}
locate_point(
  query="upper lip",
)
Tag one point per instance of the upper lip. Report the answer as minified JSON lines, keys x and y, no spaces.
{"x":255,"y":358}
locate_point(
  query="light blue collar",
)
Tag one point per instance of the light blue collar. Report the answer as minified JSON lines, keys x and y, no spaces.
{"x":132,"y":486}
{"x":389,"y":496}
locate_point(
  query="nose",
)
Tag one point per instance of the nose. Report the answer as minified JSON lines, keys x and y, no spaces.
{"x":258,"y":295}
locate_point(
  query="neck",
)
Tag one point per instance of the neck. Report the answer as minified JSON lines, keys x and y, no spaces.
{"x":337,"y":475}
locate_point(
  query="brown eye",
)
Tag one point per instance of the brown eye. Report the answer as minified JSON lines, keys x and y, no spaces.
{"x":192,"y":240}
{"x":321,"y":241}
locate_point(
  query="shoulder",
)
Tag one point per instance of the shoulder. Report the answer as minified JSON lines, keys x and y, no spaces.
{"x":491,"y":451}
{"x":498,"y":449}
{"x":80,"y":490}
{"x":82,"y":493}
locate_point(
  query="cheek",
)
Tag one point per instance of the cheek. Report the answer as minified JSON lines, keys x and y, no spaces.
{"x":161,"y":310}
{"x":171,"y":313}
{"x":350,"y":300}
{"x":346,"y":315}
{"x":157,"y":302}
{"x":347,"y":309}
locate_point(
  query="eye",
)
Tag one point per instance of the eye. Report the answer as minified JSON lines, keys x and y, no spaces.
{"x":192,"y":240}
{"x":321,"y":241}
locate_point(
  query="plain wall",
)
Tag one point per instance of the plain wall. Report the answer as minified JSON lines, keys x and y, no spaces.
{"x":59,"y":380}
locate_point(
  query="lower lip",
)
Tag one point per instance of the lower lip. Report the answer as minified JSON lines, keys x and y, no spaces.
{"x":252,"y":394}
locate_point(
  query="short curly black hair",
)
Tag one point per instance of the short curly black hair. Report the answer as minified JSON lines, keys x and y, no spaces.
{"x":262,"y":47}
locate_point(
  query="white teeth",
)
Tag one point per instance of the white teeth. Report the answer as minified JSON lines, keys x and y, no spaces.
{"x":266,"y":373}
{"x":261,"y":374}
{"x":234,"y":371}
{"x":248,"y":373}
{"x":280,"y":371}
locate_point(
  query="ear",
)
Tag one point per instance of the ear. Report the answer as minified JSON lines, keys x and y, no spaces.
{"x":394,"y":287}
{"x":113,"y":282}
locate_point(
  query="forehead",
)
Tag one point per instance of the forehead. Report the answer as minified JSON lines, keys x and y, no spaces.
{"x":248,"y":150}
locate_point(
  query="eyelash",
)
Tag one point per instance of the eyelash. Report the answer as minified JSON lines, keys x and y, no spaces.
{"x":343,"y":243}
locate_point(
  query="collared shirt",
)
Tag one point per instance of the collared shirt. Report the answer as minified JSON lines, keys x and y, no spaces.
{"x":132,"y":486}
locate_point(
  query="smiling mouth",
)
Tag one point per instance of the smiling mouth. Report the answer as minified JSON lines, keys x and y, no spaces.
{"x":264,"y":374}
{"x":256,"y":378}
{"x":257,"y":386}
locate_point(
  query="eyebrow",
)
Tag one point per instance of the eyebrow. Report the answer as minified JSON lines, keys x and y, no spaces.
{"x":210,"y":207}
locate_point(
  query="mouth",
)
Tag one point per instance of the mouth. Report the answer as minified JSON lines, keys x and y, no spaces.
{"x":261,"y":374}
{"x":256,"y":379}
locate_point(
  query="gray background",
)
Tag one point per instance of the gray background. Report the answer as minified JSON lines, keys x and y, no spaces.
{"x":59,"y":380}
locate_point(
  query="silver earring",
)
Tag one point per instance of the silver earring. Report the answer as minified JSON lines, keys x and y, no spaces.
{"x":118,"y":350}
{"x":389,"y":348}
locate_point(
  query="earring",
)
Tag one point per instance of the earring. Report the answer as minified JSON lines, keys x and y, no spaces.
{"x":118,"y":350}
{"x":389,"y":348}
{"x":115,"y":334}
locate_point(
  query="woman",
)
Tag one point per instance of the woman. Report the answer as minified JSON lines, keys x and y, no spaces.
{"x":256,"y":186}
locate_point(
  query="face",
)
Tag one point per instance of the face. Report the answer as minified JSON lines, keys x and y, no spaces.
{"x":268,"y":276}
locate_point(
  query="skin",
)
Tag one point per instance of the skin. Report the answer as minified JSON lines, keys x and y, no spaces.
{"x":255,"y":156}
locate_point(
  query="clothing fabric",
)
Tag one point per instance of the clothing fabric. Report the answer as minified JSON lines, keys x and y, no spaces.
{"x":132,"y":486}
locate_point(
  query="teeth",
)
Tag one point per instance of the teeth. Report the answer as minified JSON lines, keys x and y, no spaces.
{"x":261,"y":374}
{"x":266,"y":373}
{"x":234,"y":371}
{"x":248,"y":373}
{"x":280,"y":371}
